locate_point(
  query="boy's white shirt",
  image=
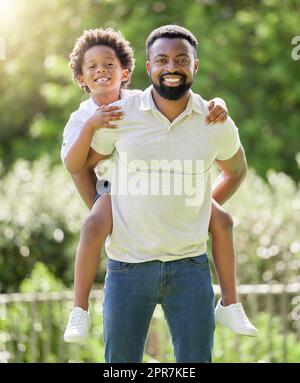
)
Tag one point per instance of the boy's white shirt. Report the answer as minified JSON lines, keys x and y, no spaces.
{"x":75,"y":124}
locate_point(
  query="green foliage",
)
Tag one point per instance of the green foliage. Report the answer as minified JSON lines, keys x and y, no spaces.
{"x":32,"y":331}
{"x":267,"y":229}
{"x":40,"y":219}
{"x":245,"y":57}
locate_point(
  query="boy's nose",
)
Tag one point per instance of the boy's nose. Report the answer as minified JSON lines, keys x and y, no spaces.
{"x":101,"y":68}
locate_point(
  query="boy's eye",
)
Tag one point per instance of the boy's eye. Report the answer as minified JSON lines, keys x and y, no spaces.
{"x":91,"y":67}
{"x":110,"y":64}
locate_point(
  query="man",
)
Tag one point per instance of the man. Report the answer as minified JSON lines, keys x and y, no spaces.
{"x":157,"y":249}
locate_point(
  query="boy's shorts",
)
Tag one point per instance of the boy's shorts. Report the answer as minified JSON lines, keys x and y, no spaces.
{"x":102,"y":187}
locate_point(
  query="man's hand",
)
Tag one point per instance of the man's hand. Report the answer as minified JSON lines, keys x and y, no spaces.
{"x":217,"y":111}
{"x":103,"y":116}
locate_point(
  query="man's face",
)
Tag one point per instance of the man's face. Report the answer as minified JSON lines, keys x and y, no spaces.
{"x":102,"y":71}
{"x":172,"y":66}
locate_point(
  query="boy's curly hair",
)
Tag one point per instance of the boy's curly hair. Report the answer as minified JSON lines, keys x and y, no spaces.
{"x":108,"y":37}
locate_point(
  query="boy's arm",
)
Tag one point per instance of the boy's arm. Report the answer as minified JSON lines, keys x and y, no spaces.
{"x":233,"y":172}
{"x":86,"y":179}
{"x":77,"y":155}
{"x":85,"y":182}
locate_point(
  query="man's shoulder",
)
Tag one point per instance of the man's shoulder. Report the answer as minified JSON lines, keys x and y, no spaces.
{"x":133,"y":100}
{"x":200,"y":103}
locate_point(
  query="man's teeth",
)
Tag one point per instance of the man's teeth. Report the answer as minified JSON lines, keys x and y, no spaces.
{"x":172,"y":79}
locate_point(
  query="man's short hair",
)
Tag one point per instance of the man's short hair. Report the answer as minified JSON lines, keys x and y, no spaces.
{"x":108,"y":37}
{"x":171,"y":32}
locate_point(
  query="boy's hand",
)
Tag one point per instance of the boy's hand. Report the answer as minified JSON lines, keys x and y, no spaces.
{"x":217,"y":111}
{"x":103,"y":117}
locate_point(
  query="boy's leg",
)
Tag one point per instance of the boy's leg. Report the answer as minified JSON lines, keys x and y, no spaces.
{"x":188,"y":305}
{"x":96,"y":228}
{"x":228,"y":312}
{"x":220,"y":227}
{"x":131,"y":292}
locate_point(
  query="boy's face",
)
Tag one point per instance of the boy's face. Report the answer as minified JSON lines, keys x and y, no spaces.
{"x":102,"y":71}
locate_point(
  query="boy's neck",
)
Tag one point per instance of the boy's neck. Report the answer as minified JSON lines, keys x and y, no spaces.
{"x":107,"y":98}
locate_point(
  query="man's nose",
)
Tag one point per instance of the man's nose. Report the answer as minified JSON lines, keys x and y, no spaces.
{"x":172,"y":66}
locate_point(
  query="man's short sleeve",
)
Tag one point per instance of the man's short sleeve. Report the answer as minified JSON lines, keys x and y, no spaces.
{"x":229,"y":141}
{"x":104,"y":141}
{"x":71,"y":132}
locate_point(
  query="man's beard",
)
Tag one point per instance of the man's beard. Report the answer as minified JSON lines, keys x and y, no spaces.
{"x":172,"y":93}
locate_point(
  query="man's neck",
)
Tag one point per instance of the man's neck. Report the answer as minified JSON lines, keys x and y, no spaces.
{"x":106,"y":98}
{"x":170,"y":108}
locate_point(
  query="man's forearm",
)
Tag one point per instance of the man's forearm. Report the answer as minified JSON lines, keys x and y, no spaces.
{"x":85,"y":182}
{"x":226,"y":185}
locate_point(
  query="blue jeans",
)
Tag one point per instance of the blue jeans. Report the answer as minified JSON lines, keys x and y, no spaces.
{"x":184,"y":290}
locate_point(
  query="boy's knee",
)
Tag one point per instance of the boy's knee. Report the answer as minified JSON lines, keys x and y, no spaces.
{"x":221,"y":220}
{"x":93,"y":225}
{"x":225,"y":220}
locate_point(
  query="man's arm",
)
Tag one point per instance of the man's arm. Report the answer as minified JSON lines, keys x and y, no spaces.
{"x":233,"y":172}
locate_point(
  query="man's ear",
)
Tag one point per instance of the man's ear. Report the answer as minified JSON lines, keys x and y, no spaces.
{"x":148,"y":67}
{"x":81,"y":81}
{"x":196,"y":65}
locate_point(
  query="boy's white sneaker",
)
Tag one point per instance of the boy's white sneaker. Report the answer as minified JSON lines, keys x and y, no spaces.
{"x":234,"y":317}
{"x":78,"y":326}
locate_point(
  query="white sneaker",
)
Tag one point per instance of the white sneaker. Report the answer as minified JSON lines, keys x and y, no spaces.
{"x":78,"y":326}
{"x":234,"y":318}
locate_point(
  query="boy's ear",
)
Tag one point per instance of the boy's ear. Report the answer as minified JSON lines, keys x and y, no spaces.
{"x":81,"y":81}
{"x":125,"y":74}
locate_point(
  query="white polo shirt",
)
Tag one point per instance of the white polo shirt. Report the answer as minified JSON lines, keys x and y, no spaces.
{"x":153,"y":220}
{"x":75,"y":124}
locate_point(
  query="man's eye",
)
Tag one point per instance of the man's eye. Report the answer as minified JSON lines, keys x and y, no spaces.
{"x":91,"y":67}
{"x":183,"y":61}
{"x":110,"y":64}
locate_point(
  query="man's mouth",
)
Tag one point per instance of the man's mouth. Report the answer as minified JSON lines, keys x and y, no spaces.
{"x":172,"y":79}
{"x":102,"y":79}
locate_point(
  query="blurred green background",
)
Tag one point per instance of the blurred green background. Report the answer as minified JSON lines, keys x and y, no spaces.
{"x":245,"y":57}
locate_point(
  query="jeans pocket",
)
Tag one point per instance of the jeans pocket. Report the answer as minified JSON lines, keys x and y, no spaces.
{"x":118,"y":266}
{"x":199,"y":262}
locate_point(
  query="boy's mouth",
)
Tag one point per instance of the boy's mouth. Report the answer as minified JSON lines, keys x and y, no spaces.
{"x":102,"y":79}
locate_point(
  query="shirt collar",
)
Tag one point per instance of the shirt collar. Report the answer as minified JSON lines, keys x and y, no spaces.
{"x":195,"y":103}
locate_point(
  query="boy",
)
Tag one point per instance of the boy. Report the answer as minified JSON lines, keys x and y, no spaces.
{"x":102,"y":63}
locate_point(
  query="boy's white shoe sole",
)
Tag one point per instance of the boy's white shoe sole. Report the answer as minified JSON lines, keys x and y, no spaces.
{"x":235,"y":319}
{"x":78,"y":326}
